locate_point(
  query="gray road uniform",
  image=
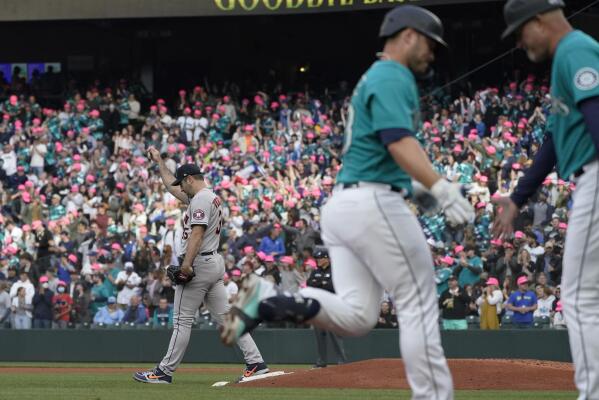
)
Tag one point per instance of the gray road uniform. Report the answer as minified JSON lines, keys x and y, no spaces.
{"x":207,"y":286}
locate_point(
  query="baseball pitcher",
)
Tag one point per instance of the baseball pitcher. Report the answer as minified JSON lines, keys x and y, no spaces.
{"x":199,"y":276}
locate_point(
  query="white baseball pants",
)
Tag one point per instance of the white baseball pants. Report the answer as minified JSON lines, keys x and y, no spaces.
{"x":375,"y":243}
{"x":580,"y":282}
{"x":206,"y":287}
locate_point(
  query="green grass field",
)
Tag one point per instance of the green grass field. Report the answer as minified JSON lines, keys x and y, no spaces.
{"x":118,"y":385}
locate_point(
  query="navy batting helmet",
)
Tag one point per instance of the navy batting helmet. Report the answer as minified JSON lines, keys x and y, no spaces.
{"x":417,"y":18}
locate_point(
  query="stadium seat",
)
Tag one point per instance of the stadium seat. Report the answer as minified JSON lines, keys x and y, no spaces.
{"x":473,"y":322}
{"x":506,"y":322}
{"x":541,"y":322}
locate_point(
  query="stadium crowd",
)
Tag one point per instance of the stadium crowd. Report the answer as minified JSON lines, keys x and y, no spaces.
{"x":86,"y":223}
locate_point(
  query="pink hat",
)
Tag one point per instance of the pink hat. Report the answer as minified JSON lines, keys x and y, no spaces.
{"x":13,"y":99}
{"x":96,"y":266}
{"x":311,"y":263}
{"x":120,"y":185}
{"x":248,"y":249}
{"x":248,"y":128}
{"x":43,"y":279}
{"x":171,"y":148}
{"x":72,"y":258}
{"x":519,"y":235}
{"x":21,"y":187}
{"x":116,"y":246}
{"x":563,"y":225}
{"x":457,"y":148}
{"x":236,"y":272}
{"x":269,"y":259}
{"x":490,"y":150}
{"x":516,"y":166}
{"x":287,"y":260}
{"x":492,"y":281}
{"x":458,"y":248}
{"x":481,"y":204}
{"x":170,"y":221}
{"x":36,"y":224}
{"x":226,"y":276}
{"x":139,"y":207}
{"x":51,"y":224}
{"x":77,"y":157}
{"x":143,"y":228}
{"x":508,"y":124}
{"x":226,"y":158}
{"x":261,"y":255}
{"x":484,"y":179}
{"x":26,"y":197}
{"x":558,"y":306}
{"x":253,"y":206}
{"x":235,"y":208}
{"x":90,"y":178}
{"x":447,"y":260}
{"x":58,"y":146}
{"x":26,"y":228}
{"x":522,"y":280}
{"x":181,"y":147}
{"x":496,"y":242}
{"x":436,"y":139}
{"x":29,"y":184}
{"x":74,"y":189}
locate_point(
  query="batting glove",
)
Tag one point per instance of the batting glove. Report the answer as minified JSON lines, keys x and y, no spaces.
{"x":455,"y":206}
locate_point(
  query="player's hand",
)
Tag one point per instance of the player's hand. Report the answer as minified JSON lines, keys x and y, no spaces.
{"x":187,"y":270}
{"x":507,"y":212}
{"x":154,"y":154}
{"x":455,"y":206}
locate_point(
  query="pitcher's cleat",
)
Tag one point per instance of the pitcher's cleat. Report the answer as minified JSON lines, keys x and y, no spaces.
{"x":153,"y":376}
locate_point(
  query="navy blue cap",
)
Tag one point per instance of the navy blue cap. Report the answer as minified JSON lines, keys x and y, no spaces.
{"x":184,"y":171}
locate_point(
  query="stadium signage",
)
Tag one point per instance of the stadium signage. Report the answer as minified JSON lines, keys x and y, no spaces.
{"x":291,"y":6}
{"x":36,"y":10}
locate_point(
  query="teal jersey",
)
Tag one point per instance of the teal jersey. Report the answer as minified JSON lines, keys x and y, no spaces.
{"x":442,"y":276}
{"x":574,"y":78}
{"x":386,"y":97}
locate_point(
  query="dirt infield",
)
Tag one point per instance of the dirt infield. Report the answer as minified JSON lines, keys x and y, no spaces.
{"x":467,"y":374}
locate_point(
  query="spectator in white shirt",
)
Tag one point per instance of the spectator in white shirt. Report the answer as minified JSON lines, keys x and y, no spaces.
{"x":38,"y":154}
{"x":545,"y":299}
{"x":231,"y":286}
{"x":23,"y":282}
{"x":9,"y":159}
{"x":134,"y":108}
{"x":127,"y":283}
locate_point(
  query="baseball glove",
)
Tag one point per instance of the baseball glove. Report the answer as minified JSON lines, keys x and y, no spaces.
{"x":176,"y":276}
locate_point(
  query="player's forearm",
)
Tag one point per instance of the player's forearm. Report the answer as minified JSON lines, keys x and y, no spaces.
{"x":194,"y":245}
{"x":165,"y":174}
{"x":408,"y":154}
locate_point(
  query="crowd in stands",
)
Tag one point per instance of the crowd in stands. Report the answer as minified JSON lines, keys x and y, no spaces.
{"x":86,"y":224}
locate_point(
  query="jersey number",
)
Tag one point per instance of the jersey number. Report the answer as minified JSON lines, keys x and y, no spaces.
{"x":185,"y":229}
{"x":217,"y":203}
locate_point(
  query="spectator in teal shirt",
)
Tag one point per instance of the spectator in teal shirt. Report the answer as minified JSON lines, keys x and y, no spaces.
{"x":163,"y":314}
{"x":469,"y":266}
{"x":57,"y":210}
{"x":99,"y":293}
{"x":442,"y":274}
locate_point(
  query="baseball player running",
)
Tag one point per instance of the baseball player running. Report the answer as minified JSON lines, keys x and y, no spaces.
{"x":375,"y":242}
{"x":571,"y":142}
{"x":200,"y":275}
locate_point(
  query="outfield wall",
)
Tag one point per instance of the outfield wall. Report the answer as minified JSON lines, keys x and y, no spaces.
{"x":287,"y":346}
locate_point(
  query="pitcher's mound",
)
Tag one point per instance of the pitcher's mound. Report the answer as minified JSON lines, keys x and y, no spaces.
{"x":467,"y":374}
